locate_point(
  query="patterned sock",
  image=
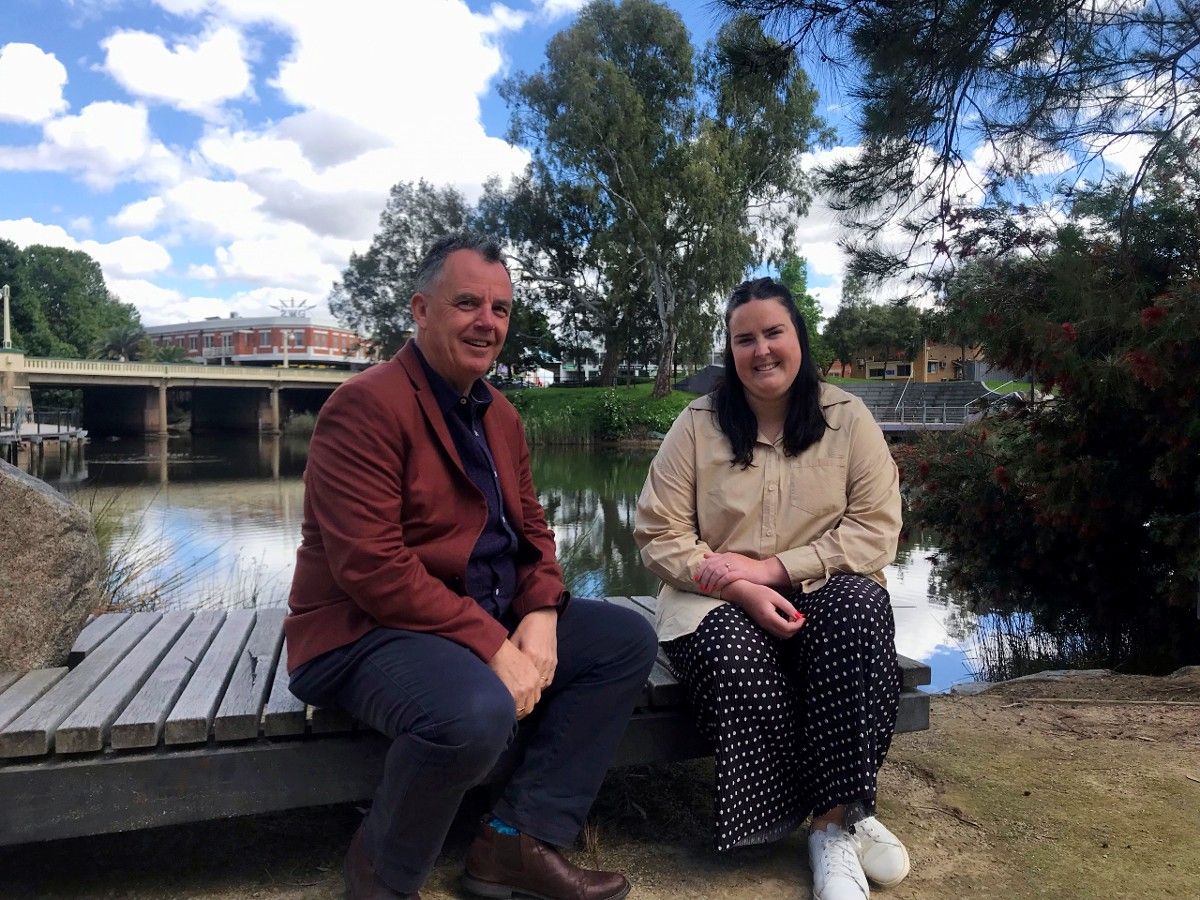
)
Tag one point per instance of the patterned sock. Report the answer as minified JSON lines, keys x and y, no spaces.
{"x":501,"y":826}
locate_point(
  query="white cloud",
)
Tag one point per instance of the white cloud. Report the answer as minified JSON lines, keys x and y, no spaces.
{"x":128,"y":256}
{"x":31,"y":83}
{"x":81,"y":224}
{"x":374,"y":106}
{"x":160,"y":306}
{"x":120,"y":259}
{"x":553,"y":9}
{"x":197,"y":75}
{"x":139,"y":216}
{"x":105,"y":143}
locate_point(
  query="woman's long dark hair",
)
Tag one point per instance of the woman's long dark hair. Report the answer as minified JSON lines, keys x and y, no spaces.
{"x":805,"y":423}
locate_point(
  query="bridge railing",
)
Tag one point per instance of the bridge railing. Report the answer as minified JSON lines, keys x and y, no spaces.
{"x":922,"y":413}
{"x":51,"y":366}
{"x":26,"y":420}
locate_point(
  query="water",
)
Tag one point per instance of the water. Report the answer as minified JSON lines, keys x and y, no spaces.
{"x":219,"y":519}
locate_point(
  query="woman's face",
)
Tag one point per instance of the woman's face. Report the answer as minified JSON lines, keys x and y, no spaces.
{"x":766,"y":348}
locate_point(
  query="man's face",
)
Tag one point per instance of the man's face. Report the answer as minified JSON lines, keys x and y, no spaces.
{"x":463,"y":320}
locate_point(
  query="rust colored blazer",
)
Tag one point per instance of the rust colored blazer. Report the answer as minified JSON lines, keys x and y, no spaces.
{"x":391,"y":518}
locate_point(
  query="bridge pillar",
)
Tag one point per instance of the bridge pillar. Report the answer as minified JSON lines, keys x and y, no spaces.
{"x":269,"y":421}
{"x":156,"y":418}
{"x":14,"y":383}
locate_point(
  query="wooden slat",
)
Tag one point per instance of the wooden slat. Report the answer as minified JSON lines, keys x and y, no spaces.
{"x":93,"y":635}
{"x":141,"y":724}
{"x":7,"y":678}
{"x":190,"y":720}
{"x":665,"y":689}
{"x":240,"y":712}
{"x":285,"y":712}
{"x":85,"y":729}
{"x":32,"y":732}
{"x":21,"y":695}
{"x":913,"y":673}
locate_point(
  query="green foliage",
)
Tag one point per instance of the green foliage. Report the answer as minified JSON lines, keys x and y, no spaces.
{"x":560,"y":415}
{"x":169,"y":353}
{"x":1091,"y":498}
{"x":690,"y":159}
{"x":793,"y":272}
{"x":884,"y":331}
{"x":376,"y":287}
{"x":958,"y":97}
{"x":126,"y":342}
{"x":60,"y":304}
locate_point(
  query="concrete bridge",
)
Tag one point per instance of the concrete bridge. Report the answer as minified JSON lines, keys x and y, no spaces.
{"x":131,"y":398}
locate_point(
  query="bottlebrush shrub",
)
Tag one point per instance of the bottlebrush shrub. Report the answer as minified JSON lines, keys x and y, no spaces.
{"x":1089,"y":498}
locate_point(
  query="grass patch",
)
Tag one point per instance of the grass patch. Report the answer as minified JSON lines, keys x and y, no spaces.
{"x":582,"y":416}
{"x":1006,"y":387}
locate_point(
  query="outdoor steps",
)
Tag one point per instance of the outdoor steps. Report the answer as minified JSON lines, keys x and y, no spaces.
{"x":162,"y":718}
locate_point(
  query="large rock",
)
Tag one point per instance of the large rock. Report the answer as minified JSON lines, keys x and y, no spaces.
{"x":49,"y":572}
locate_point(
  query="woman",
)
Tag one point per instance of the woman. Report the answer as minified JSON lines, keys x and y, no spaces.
{"x":769,"y":512}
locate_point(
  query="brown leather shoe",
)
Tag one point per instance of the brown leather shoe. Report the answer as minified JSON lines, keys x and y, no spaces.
{"x":501,"y":865}
{"x":361,"y":881}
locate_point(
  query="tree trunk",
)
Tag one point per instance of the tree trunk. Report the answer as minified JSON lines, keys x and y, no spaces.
{"x":666,"y":362}
{"x":614,"y":352}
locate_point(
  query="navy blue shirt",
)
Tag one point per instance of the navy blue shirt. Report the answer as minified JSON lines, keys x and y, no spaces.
{"x":491,"y":576}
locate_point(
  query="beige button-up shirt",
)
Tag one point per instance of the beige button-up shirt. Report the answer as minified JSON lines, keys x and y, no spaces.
{"x":834,"y":508}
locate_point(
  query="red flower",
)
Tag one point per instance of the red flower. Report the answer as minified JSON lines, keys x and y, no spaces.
{"x":1143,"y":367}
{"x":923,"y":469}
{"x":1000,"y":474}
{"x":1152,"y":315}
{"x":991,"y":320}
{"x":1068,"y":331}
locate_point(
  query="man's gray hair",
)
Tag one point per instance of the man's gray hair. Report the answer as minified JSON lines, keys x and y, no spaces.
{"x":430,"y":268}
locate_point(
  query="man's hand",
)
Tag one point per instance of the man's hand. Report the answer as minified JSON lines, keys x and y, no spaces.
{"x":537,"y":637}
{"x":772,"y":611}
{"x":519,"y":675}
{"x":719,"y":570}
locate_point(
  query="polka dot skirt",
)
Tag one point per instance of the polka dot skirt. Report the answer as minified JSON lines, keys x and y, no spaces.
{"x":799,"y":726}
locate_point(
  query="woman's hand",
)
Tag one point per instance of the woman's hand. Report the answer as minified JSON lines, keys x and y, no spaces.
{"x":719,"y":570}
{"x":772,"y":611}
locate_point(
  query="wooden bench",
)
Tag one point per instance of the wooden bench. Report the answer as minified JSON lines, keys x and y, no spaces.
{"x":161,"y":718}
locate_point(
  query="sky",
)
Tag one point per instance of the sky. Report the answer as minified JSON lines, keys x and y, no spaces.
{"x":221,"y":156}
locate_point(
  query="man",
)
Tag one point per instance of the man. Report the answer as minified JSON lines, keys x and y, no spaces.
{"x":427,"y":602}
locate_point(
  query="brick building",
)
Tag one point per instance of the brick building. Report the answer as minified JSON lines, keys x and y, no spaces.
{"x":934,"y":362}
{"x":265,"y":341}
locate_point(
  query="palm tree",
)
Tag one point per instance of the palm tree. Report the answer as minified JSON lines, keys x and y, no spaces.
{"x":126,"y":342}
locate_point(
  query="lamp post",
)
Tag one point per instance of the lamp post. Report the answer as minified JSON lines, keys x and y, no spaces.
{"x":287,"y":340}
{"x":7,"y":321}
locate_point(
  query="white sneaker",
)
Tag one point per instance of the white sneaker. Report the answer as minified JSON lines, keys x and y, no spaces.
{"x":883,"y":857}
{"x":837,"y":873}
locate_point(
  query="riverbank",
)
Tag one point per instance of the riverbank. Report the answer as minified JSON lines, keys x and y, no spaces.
{"x":1006,"y":796}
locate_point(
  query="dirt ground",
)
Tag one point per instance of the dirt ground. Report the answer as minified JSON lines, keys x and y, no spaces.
{"x":1005,"y":796}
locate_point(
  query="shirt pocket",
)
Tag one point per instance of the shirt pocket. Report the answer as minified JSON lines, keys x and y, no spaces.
{"x":818,"y":486}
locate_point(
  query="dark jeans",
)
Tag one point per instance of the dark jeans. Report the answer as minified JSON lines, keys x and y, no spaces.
{"x":450,"y":718}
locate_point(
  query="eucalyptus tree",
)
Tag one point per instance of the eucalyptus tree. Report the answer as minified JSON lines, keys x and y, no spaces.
{"x":694,"y":158}
{"x":373,"y":294}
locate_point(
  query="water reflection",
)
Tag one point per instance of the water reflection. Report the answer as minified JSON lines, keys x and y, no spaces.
{"x":219,"y":518}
